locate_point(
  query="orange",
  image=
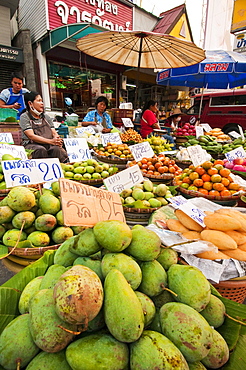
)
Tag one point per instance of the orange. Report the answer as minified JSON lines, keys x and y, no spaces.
{"x":216,"y":178}
{"x":151,"y":167}
{"x":171,"y":169}
{"x":212,"y":171}
{"x":233,"y":186}
{"x":193,"y":176}
{"x":218,"y":167}
{"x":225,"y":181}
{"x":198,"y":183}
{"x":144,"y":160}
{"x":206,"y":177}
{"x":225,"y":193}
{"x":214,"y":193}
{"x":186,"y":180}
{"x":218,"y":186}
{"x":164,"y":169}
{"x":157,"y":165}
{"x":150,"y":172}
{"x":184,"y":186}
{"x":225,"y":172}
{"x":208,"y":185}
{"x":219,"y":161}
{"x":203,"y":191}
{"x":230,"y":178}
{"x":207,"y":165}
{"x":200,"y":170}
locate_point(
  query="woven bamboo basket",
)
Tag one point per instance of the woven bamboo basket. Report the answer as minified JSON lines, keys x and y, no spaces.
{"x":29,"y":252}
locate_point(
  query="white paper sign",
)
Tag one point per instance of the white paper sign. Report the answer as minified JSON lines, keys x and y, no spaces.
{"x":81,"y":130}
{"x":241,"y":132}
{"x":177,"y":201}
{"x":77,"y":149}
{"x":6,"y":137}
{"x":234,"y":134}
{"x":124,"y":179}
{"x":236,"y":153}
{"x":31,"y":171}
{"x":141,"y":150}
{"x":199,"y":131}
{"x":127,"y":122}
{"x":112,"y":137}
{"x":195,"y":213}
{"x":206,"y":127}
{"x":16,"y":151}
{"x":197,"y":155}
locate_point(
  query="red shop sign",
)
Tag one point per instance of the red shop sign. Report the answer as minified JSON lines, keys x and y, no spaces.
{"x":112,"y":14}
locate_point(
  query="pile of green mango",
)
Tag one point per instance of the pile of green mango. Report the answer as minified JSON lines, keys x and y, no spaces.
{"x":39,"y":215}
{"x":115,"y":299}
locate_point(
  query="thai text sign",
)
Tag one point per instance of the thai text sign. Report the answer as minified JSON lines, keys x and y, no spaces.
{"x":31,"y":171}
{"x":6,"y":137}
{"x":124,"y":179}
{"x":112,"y":137}
{"x":84,"y":205}
{"x":77,"y":149}
{"x":197,"y":154}
{"x":82,"y":130}
{"x":17,"y":151}
{"x":127,"y":122}
{"x":195,"y":213}
{"x":236,"y":153}
{"x":142,"y":150}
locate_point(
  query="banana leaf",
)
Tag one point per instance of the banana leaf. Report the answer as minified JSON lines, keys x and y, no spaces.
{"x":237,"y":359}
{"x":3,"y":251}
{"x":9,"y":299}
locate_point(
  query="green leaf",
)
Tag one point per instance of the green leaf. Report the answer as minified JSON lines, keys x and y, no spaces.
{"x":9,"y":300}
{"x":3,"y":251}
{"x":230,"y":331}
{"x":237,"y":359}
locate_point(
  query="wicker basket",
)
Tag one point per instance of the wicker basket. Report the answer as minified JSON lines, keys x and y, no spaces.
{"x":231,"y":289}
{"x":28,"y":252}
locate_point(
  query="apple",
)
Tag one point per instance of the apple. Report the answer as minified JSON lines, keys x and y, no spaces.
{"x":239,"y":167}
{"x":238,"y":161}
{"x":229,"y":165}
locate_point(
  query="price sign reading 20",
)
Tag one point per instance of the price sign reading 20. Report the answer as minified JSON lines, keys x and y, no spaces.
{"x":50,"y":172}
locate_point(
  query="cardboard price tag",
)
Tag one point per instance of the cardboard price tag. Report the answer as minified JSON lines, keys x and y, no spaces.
{"x":6,"y":137}
{"x":177,"y":201}
{"x":197,"y":154}
{"x":77,"y":149}
{"x":195,"y":213}
{"x":124,"y":179}
{"x":206,"y":127}
{"x":127,"y":122}
{"x":17,"y":151}
{"x":84,"y":205}
{"x":81,"y":130}
{"x":112,"y":137}
{"x":199,"y":131}
{"x":141,"y":150}
{"x":31,"y":171}
{"x":236,"y":153}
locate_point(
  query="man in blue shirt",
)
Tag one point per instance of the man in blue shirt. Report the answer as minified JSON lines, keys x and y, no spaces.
{"x":98,"y":118}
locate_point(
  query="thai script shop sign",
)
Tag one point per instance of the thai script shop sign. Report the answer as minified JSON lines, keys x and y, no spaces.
{"x":11,"y":54}
{"x":113,"y":15}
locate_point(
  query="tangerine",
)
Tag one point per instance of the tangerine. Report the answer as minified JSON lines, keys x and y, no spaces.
{"x":225,"y":181}
{"x":200,"y":170}
{"x":214,"y":193}
{"x":206,"y":177}
{"x":163,"y":169}
{"x":193,"y":176}
{"x":233,"y":186}
{"x":151,"y":167}
{"x":206,"y":165}
{"x":171,"y":169}
{"x":218,"y":167}
{"x":218,"y":186}
{"x":198,"y":183}
{"x":208,"y":185}
{"x":216,"y":178}
{"x":219,"y":161}
{"x":186,"y":180}
{"x":203,"y":191}
{"x":225,"y":172}
{"x":225,"y":193}
{"x":212,"y":171}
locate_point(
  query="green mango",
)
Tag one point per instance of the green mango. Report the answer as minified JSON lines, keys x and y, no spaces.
{"x":154,"y":351}
{"x":61,"y":233}
{"x":16,"y":344}
{"x":6,"y":214}
{"x":145,"y":244}
{"x":86,"y":244}
{"x":93,"y":264}
{"x":190,"y":285}
{"x":97,"y":351}
{"x":214,"y":312}
{"x":125,"y":264}
{"x":113,"y":235}
{"x":51,"y":276}
{"x":218,"y":354}
{"x":122,"y":309}
{"x":196,"y":366}
{"x":46,"y":326}
{"x":49,"y":203}
{"x":49,"y":361}
{"x":30,"y":289}
{"x":167,"y":257}
{"x":63,"y":256}
{"x":154,"y":278}
{"x":162,"y":298}
{"x":147,"y":306}
{"x":155,"y":323}
{"x":25,"y":217}
{"x":187,"y":329}
{"x":97,"y":323}
{"x":21,"y":199}
{"x":11,"y":236}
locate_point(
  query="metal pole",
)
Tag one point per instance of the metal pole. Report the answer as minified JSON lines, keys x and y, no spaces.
{"x":136,"y":102}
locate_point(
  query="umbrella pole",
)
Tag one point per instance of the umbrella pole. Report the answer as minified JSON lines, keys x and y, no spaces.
{"x":136,"y":102}
{"x":200,"y":107}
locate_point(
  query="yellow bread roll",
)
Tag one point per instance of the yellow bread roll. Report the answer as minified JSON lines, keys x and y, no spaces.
{"x":237,"y":236}
{"x":219,"y":239}
{"x":211,"y":255}
{"x":192,"y":235}
{"x":187,"y":221}
{"x":221,"y":222}
{"x":242,"y":247}
{"x":234,"y":214}
{"x":237,"y":254}
{"x":175,"y":225}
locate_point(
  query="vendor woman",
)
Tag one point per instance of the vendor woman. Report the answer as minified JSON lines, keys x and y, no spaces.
{"x":98,"y":118}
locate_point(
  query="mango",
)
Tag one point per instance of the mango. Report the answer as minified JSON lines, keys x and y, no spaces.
{"x":46,"y":326}
{"x":16,"y":344}
{"x":55,"y":188}
{"x":154,"y":202}
{"x":148,"y":186}
{"x":160,"y":190}
{"x":122,"y":309}
{"x":49,"y":204}
{"x":218,"y":354}
{"x":97,"y":323}
{"x":86,"y":244}
{"x":59,"y":218}
{"x":154,"y":278}
{"x":6,"y":214}
{"x":154,"y":351}
{"x":162,"y":298}
{"x":2,"y":231}
{"x":167,"y":257}
{"x":45,"y":222}
{"x":30,"y":289}
{"x":76,"y":229}
{"x":214,"y":312}
{"x":51,"y":276}
{"x":63,"y":256}
{"x":21,"y":199}
{"x":190,"y":285}
{"x":138,"y":194}
{"x":25,"y":216}
{"x":93,"y":264}
{"x":148,"y":195}
{"x":61,"y":233}
{"x":155,"y":324}
{"x":78,"y":295}
{"x":49,"y":361}
{"x":126,"y":193}
{"x":11,"y":237}
{"x":113,"y":235}
{"x":145,"y":244}
{"x":196,"y":366}
{"x":147,"y":306}
{"x":97,"y":351}
{"x":187,"y":329}
{"x":39,"y":238}
{"x":125,"y":264}
{"x":129,"y":200}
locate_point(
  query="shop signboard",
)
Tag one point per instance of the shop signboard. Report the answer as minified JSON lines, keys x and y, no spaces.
{"x":113,"y":15}
{"x":10,"y":54}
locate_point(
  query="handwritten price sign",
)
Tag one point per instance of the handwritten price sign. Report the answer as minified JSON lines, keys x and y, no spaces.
{"x":6,"y":137}
{"x":177,"y":201}
{"x":199,"y":131}
{"x":206,"y":127}
{"x":34,"y":171}
{"x":112,"y":137}
{"x":81,"y":130}
{"x":195,"y":213}
{"x":142,"y":150}
{"x":197,"y":155}
{"x":127,"y":122}
{"x":236,"y":153}
{"x":84,"y":205}
{"x":77,"y":149}
{"x":17,"y":151}
{"x":124,"y":179}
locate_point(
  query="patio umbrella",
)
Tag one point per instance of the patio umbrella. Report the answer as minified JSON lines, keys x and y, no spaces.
{"x":141,"y":50}
{"x":220,"y":70}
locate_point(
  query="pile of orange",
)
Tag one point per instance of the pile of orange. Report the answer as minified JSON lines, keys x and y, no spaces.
{"x":158,"y":165}
{"x":211,"y":178}
{"x":118,"y":150}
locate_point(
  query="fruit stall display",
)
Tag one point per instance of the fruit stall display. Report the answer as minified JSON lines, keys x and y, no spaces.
{"x":133,"y":307}
{"x":186,"y":130}
{"x":131,"y":137}
{"x":218,"y":134}
{"x":159,"y":144}
{"x":120,"y":151}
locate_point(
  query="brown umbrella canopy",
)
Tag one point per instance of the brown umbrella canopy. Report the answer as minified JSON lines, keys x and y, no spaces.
{"x":141,"y":49}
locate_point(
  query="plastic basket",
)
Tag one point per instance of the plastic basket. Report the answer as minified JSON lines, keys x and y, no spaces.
{"x":62,"y":131}
{"x":233,"y":290}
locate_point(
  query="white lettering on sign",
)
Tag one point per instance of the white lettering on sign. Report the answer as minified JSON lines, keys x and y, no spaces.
{"x":197,"y":154}
{"x":124,"y":179}
{"x":177,"y":201}
{"x":77,"y":149}
{"x":199,"y":131}
{"x":81,"y":130}
{"x":112,"y":137}
{"x":6,"y":137}
{"x":193,"y":212}
{"x":127,"y":122}
{"x":34,"y":171}
{"x":17,"y":151}
{"x":236,"y":153}
{"x":141,"y":150}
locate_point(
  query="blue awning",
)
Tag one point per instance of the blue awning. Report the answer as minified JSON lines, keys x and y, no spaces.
{"x":71,"y":32}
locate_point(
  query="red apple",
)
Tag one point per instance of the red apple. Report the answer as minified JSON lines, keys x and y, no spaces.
{"x":238,"y":161}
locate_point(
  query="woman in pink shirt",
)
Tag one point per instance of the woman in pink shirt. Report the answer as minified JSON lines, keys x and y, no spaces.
{"x":149,"y":119}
